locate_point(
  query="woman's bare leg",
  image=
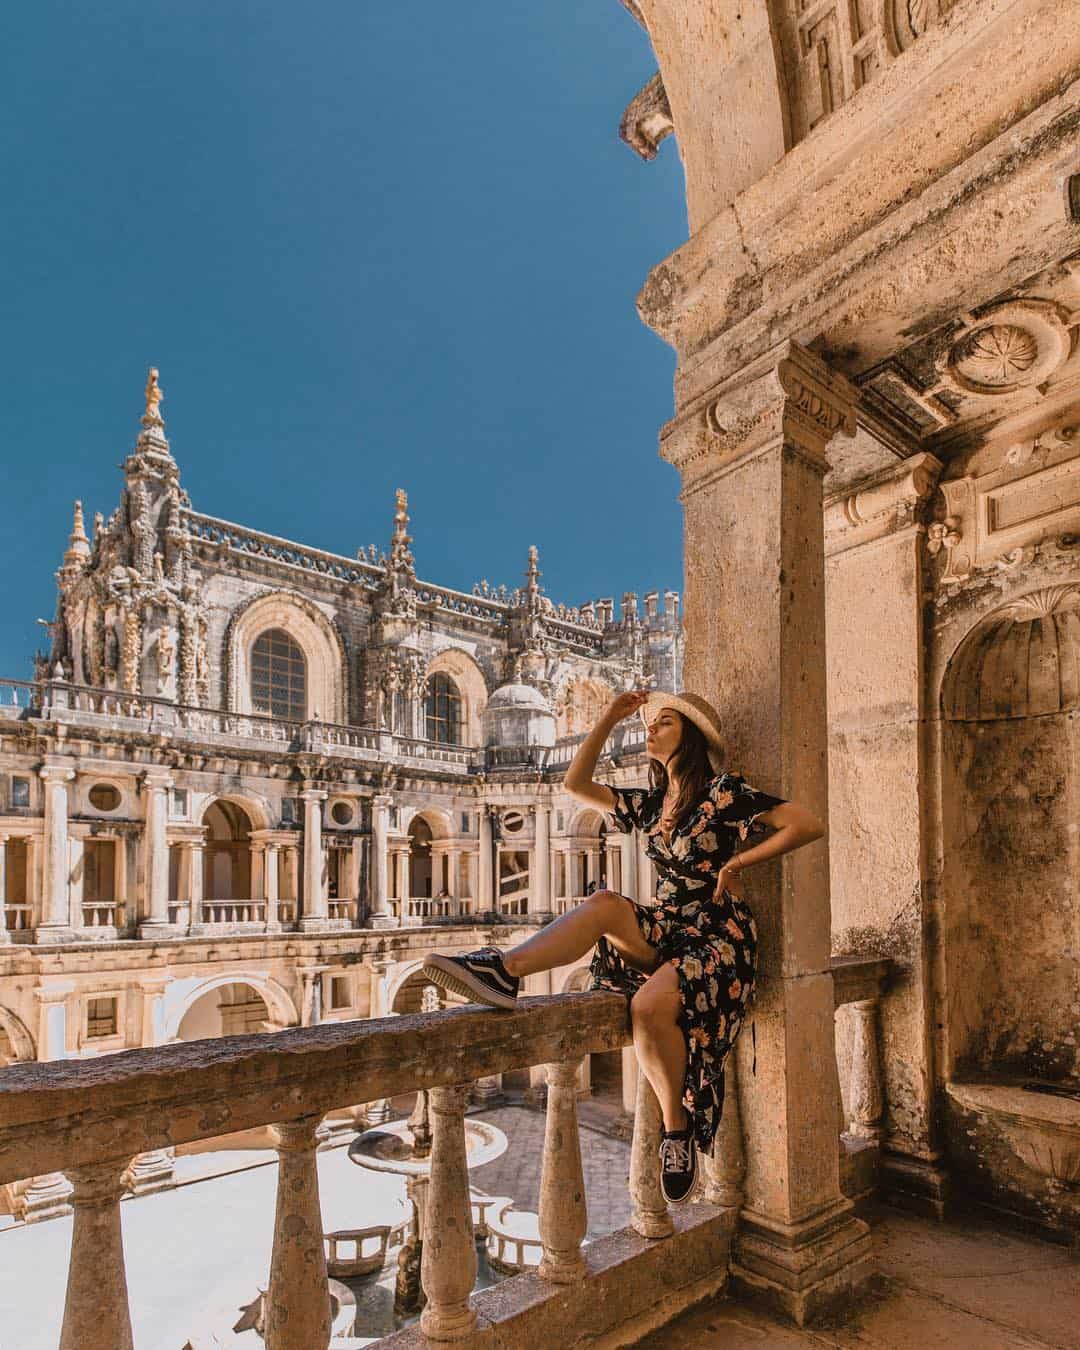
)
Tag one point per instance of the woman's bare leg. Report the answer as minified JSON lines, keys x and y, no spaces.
{"x":660,"y":1043}
{"x":603,"y":914}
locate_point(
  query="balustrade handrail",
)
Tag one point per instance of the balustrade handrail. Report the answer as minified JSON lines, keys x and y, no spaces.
{"x":60,"y":1115}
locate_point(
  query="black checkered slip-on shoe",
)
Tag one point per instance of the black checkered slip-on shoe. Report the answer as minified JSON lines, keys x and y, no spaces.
{"x":479,"y":976}
{"x":678,"y":1165}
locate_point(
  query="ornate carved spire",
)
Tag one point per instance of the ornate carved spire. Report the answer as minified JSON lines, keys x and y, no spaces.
{"x":533,"y":573}
{"x":151,"y":439}
{"x":401,"y":559}
{"x":78,"y":551}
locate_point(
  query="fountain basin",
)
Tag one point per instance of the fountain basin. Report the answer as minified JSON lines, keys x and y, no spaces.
{"x":388,"y":1148}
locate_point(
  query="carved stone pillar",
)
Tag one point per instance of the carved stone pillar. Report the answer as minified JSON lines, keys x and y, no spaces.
{"x":297,"y":1307}
{"x":540,"y":876}
{"x":448,"y":1266}
{"x":752,"y":461}
{"x":270,"y":888}
{"x":650,"y":1218}
{"x":864,"y":1088}
{"x":485,"y":886}
{"x":563,"y":1217}
{"x":5,"y":936}
{"x":48,"y":1194}
{"x":381,"y":917}
{"x":316,"y":910}
{"x":96,"y":1315}
{"x":54,"y":924}
{"x":155,"y":921}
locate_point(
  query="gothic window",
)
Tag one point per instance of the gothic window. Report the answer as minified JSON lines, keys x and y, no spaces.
{"x":443,"y":710}
{"x":278,"y":676}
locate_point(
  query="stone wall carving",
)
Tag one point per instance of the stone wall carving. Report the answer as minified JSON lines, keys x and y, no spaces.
{"x":1009,"y":347}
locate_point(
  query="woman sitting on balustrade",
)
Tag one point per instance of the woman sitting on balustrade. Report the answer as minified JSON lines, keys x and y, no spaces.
{"x":688,"y":961}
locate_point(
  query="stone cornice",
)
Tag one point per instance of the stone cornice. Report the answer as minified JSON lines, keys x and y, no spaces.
{"x":885,"y":504}
{"x":788,"y":395}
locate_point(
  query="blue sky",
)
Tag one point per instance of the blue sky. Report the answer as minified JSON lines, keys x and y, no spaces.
{"x":368,"y":246}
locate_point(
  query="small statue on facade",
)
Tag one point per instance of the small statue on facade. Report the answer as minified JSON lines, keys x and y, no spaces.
{"x":165,"y":652}
{"x":154,"y":395}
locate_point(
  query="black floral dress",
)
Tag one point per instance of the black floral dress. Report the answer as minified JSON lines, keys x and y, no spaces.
{"x":711,"y":943}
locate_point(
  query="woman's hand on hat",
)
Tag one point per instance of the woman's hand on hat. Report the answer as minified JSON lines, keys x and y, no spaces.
{"x":626,"y":704}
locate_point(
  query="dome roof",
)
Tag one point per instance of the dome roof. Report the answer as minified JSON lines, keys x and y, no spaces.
{"x":518,"y":696}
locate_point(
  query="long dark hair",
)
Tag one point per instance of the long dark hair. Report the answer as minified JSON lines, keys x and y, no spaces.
{"x":691,"y":763}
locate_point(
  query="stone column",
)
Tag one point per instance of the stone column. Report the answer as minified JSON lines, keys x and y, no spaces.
{"x":752,"y":460}
{"x":55,"y":922}
{"x":47,"y":1195}
{"x":257,"y":870}
{"x":196,"y":852}
{"x":563,"y":1217}
{"x":5,"y":936}
{"x":96,"y":1315}
{"x":448,"y":1265}
{"x":628,"y":867}
{"x":485,"y":885}
{"x":540,"y":881}
{"x":152,"y":1171}
{"x":453,"y":868}
{"x":381,"y":917}
{"x":311,"y":995}
{"x":592,"y":868}
{"x":270,"y":888}
{"x":725,"y":1170}
{"x":155,"y":922}
{"x":297,"y":1305}
{"x":471,"y":864}
{"x":292,"y":868}
{"x":316,"y":910}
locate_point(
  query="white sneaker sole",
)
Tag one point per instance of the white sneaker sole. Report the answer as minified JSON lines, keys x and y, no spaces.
{"x":443,"y":971}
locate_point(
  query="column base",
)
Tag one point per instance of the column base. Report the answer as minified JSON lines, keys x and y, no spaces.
{"x":152,"y":930}
{"x":383,"y":921}
{"x":377,"y":1113}
{"x":920,"y":1185}
{"x":805,"y":1271}
{"x":316,"y":924}
{"x":49,"y":934}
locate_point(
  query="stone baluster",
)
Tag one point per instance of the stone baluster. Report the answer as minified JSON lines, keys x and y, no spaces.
{"x":96,"y":1315}
{"x":297,"y":1306}
{"x":650,"y":1218}
{"x":448,"y":1266}
{"x":725,"y":1168}
{"x":865,"y":1092}
{"x":563,"y":1217}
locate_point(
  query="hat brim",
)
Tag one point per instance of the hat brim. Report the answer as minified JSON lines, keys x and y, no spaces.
{"x":658,"y":699}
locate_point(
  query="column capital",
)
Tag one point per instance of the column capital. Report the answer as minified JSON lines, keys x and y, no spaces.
{"x":157,"y":780}
{"x":56,"y":773}
{"x":383,"y":799}
{"x":787,"y":395}
{"x":312,"y":795}
{"x":296,"y":1136}
{"x":154,"y":986}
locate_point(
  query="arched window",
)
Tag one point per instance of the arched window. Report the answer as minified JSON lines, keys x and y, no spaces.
{"x":443,"y":710}
{"x":278,"y":676}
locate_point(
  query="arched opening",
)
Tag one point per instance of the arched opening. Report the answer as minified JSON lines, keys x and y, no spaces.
{"x":417,"y":994}
{"x":443,"y":710}
{"x":1009,"y":786}
{"x":226,"y":1010}
{"x":582,"y":866}
{"x":420,"y":869}
{"x":278,"y":676}
{"x":227,"y":860}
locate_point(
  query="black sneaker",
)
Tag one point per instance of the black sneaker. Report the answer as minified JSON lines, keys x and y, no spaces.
{"x":479,"y":976}
{"x":678,"y":1165}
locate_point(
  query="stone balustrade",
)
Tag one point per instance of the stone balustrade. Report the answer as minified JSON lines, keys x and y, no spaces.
{"x":91,"y":1119}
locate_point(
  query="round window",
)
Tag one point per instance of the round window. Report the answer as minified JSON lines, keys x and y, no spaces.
{"x":513,"y":821}
{"x":341,"y":813}
{"x":104,"y":797}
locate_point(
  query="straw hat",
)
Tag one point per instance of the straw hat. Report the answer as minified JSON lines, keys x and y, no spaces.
{"x":697,"y":710}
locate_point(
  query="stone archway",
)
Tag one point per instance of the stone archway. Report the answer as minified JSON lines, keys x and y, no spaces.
{"x":584,"y":862}
{"x":472,"y":687}
{"x":278,"y":1008}
{"x":16,"y":1042}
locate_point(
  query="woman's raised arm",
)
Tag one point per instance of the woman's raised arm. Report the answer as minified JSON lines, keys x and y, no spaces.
{"x":579,"y":776}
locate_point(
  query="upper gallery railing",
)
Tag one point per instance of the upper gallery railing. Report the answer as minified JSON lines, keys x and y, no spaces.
{"x":56,"y":700}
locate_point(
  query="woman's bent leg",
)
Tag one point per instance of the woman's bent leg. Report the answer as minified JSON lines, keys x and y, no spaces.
{"x":660,"y":1043}
{"x":603,"y":914}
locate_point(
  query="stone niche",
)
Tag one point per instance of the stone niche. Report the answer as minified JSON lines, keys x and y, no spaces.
{"x":1010,"y":786}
